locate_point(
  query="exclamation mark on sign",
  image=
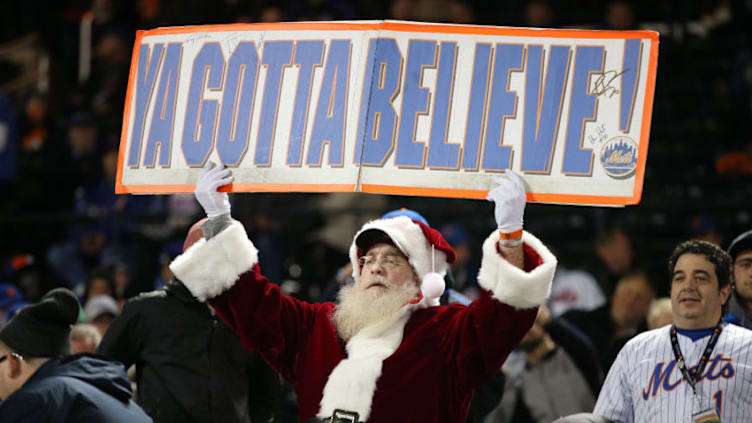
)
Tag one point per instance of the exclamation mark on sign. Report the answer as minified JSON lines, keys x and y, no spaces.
{"x":630,"y":74}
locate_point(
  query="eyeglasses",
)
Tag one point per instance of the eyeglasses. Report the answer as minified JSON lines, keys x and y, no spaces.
{"x":388,"y":262}
{"x":5,"y":357}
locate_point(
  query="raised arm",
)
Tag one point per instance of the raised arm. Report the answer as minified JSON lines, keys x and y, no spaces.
{"x":222,"y":269}
{"x":516,"y":273}
{"x":516,"y":267}
{"x":509,"y":199}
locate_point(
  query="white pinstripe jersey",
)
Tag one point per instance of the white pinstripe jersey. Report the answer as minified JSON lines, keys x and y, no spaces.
{"x":645,"y":385}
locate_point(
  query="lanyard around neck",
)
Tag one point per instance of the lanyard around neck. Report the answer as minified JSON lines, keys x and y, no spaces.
{"x":692,"y":378}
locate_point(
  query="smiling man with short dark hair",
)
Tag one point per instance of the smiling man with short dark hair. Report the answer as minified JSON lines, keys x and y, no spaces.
{"x":697,"y":369}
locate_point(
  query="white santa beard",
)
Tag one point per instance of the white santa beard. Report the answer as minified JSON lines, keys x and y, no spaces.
{"x":359,"y":307}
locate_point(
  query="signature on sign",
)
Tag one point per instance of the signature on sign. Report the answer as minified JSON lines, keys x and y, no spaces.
{"x":600,"y":134}
{"x":231,"y":42}
{"x":603,"y":83}
{"x":196,"y":38}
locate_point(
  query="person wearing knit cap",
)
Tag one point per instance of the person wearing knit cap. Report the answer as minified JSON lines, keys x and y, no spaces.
{"x":385,"y":351}
{"x":39,"y":378}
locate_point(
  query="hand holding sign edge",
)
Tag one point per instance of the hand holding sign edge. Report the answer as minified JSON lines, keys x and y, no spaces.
{"x":212,"y":177}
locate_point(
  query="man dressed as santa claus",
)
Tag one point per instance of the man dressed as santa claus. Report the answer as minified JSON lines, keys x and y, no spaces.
{"x":386,"y":351}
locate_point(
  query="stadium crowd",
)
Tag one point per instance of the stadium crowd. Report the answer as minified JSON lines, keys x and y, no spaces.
{"x":63,"y":226}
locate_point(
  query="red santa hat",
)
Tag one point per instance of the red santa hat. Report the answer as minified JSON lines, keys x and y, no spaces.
{"x":426,"y":250}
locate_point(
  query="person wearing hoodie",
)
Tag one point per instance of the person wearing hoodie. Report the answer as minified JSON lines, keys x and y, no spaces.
{"x":41,"y":381}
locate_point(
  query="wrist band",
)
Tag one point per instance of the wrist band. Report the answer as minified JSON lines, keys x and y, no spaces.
{"x":510,"y":235}
{"x":510,"y":239}
{"x":509,"y":243}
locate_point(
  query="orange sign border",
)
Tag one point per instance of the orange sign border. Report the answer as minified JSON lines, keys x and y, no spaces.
{"x":574,"y":199}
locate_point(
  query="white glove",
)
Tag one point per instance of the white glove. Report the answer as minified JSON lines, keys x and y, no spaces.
{"x":510,"y":198}
{"x":215,"y":203}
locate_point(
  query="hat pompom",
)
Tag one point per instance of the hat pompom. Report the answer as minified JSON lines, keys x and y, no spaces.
{"x":432,"y":286}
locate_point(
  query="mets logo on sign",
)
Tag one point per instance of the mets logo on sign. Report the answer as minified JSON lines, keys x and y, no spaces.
{"x":619,"y":157}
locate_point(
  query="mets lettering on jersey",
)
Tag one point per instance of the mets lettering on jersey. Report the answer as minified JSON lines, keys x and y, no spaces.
{"x":645,"y":384}
{"x":391,"y":107}
{"x":662,"y":377}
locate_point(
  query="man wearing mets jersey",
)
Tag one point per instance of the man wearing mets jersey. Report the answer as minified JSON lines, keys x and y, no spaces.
{"x":696,"y":370}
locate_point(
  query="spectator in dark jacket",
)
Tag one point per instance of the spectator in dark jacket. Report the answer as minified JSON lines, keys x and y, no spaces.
{"x":41,"y":381}
{"x":190,"y":367}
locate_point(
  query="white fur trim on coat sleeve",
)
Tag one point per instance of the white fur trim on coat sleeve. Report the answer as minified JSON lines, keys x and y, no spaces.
{"x":512,"y":285}
{"x":209,"y":268}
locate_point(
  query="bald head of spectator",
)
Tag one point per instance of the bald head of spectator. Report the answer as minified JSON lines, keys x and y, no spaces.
{"x":660,"y":313}
{"x":85,"y":338}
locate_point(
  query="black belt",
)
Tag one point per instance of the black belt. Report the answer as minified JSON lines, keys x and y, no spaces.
{"x":339,"y":416}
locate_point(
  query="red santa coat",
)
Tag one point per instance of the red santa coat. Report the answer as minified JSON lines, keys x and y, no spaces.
{"x":420,"y":367}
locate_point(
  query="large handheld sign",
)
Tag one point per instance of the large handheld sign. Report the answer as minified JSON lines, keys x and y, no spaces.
{"x":391,"y":107}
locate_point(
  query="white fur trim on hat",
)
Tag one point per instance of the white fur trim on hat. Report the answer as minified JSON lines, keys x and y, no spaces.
{"x":352,"y":383}
{"x":408,"y":237}
{"x":209,"y":268}
{"x":512,"y":285}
